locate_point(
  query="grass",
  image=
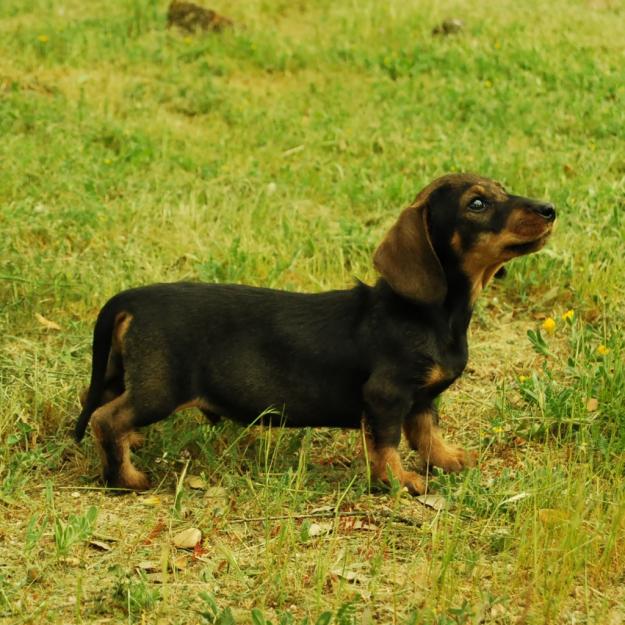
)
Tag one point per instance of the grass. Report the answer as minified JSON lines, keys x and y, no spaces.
{"x":278,"y":154}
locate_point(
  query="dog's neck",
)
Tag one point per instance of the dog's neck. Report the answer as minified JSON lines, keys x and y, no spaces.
{"x":455,"y":310}
{"x":459,"y":300}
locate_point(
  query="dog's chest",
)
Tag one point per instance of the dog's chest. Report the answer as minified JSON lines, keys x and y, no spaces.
{"x":448,"y":362}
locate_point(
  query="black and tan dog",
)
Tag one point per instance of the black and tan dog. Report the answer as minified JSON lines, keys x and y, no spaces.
{"x":375,"y":357}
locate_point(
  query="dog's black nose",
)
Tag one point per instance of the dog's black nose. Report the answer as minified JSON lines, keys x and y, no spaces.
{"x":547,"y":211}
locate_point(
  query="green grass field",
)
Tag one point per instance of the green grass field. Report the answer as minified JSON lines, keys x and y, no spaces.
{"x":278,"y":154}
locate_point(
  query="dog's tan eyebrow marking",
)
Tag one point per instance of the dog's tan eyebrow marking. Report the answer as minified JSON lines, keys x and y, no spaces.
{"x":456,"y":243}
{"x":491,"y":191}
{"x":471,"y":193}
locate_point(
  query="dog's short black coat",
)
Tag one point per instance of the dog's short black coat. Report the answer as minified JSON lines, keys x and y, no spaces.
{"x":372,"y":356}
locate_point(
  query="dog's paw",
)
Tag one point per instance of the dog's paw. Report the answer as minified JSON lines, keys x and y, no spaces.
{"x":454,"y":459}
{"x":129,"y":478}
{"x":413,"y":483}
{"x":135,"y":480}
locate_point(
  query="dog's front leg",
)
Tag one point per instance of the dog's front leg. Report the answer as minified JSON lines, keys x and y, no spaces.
{"x":421,"y":430}
{"x":385,"y":404}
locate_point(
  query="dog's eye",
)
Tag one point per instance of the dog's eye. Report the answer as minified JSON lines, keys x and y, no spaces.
{"x":477,"y":205}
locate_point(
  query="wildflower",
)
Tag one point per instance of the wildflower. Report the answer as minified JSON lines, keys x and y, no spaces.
{"x":42,"y":38}
{"x":568,"y":315}
{"x":523,"y":379}
{"x":549,"y":325}
{"x":602,"y":350}
{"x":488,"y":84}
{"x":498,"y":429}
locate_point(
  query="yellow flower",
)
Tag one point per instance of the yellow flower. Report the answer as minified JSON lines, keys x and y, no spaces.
{"x":523,"y":378}
{"x":42,"y":38}
{"x":568,"y":315}
{"x":498,"y":429}
{"x":549,"y":325}
{"x":488,"y":84}
{"x":188,"y":40}
{"x":497,"y":45}
{"x":602,"y":350}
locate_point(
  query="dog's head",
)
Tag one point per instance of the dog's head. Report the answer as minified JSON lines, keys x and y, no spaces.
{"x":459,"y":223}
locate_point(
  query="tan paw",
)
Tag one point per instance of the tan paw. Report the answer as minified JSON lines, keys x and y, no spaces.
{"x":452,"y":459}
{"x":130,"y":477}
{"x":413,"y":482}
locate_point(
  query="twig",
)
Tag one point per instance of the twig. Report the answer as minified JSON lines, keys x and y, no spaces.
{"x":330,"y":515}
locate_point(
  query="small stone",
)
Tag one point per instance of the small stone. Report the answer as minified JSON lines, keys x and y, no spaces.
{"x":196,"y":482}
{"x":192,"y":17}
{"x":187,"y":539}
{"x":447,"y":27}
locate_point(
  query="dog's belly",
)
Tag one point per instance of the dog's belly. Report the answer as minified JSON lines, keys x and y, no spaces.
{"x":303,"y":405}
{"x":294,"y":415}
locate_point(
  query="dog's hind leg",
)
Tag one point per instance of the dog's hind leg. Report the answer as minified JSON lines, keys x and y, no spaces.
{"x":113,"y":425}
{"x":113,"y":380}
{"x":424,"y":436}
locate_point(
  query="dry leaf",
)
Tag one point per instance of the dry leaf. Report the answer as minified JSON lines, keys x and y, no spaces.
{"x":46,"y":323}
{"x":436,"y":502}
{"x":195,"y":482}
{"x":149,"y":566}
{"x":198,"y":551}
{"x":98,"y":544}
{"x":151,"y":500}
{"x":322,"y":509}
{"x":592,"y":404}
{"x":319,"y":529}
{"x":187,"y":539}
{"x":105,"y":537}
{"x":350,"y":576}
{"x":155,"y":531}
{"x":514,"y":499}
{"x":357,"y":524}
{"x":180,"y":563}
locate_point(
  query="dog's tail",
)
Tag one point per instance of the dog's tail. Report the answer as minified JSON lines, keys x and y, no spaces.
{"x":102,"y":341}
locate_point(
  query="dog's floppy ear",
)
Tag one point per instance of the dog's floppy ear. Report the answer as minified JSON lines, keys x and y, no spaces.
{"x":407,"y":260}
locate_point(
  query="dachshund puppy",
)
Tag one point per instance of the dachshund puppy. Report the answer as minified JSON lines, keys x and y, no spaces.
{"x":371,"y":356}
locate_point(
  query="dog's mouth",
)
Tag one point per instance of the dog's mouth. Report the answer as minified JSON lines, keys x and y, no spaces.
{"x":520,"y":249}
